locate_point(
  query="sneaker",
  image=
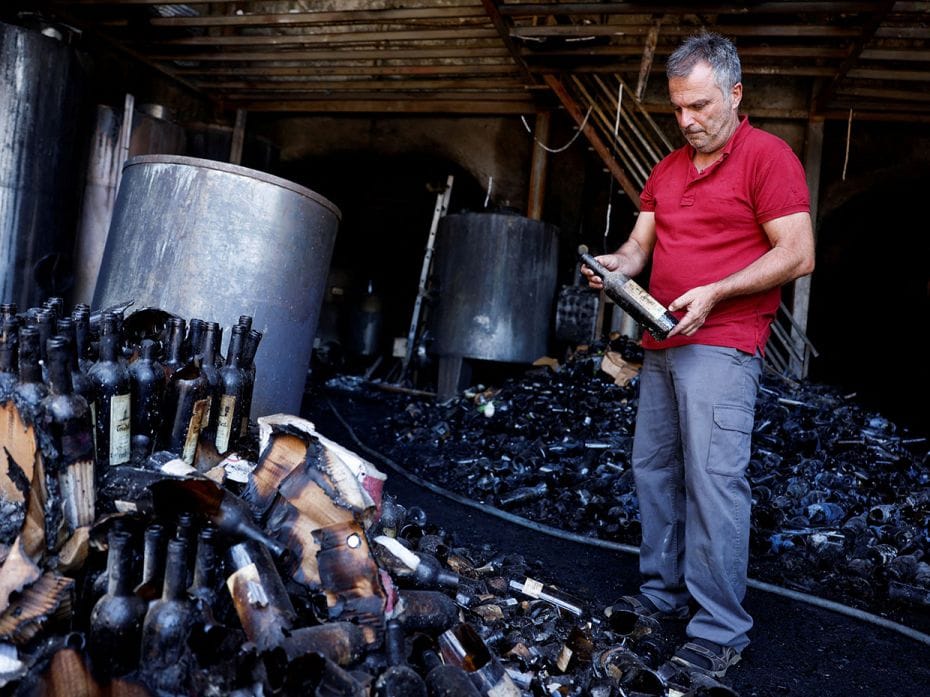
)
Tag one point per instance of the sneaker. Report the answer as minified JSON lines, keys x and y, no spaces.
{"x":706,"y":657}
{"x":643,"y":606}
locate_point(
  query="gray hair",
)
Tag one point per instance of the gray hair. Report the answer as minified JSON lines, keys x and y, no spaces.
{"x":713,"y":49}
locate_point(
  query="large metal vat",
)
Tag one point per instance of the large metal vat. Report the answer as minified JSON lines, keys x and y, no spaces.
{"x":497,"y":283}
{"x":41,"y":91}
{"x":212,"y":240}
{"x":152,"y":133}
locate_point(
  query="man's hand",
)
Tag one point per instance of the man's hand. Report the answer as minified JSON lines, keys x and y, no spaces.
{"x":608,"y":261}
{"x":697,"y":303}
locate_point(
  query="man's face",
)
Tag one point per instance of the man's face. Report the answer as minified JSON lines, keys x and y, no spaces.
{"x":706,"y":116}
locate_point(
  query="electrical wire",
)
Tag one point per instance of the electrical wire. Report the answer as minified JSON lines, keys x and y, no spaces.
{"x":628,"y":549}
{"x":568,"y":144}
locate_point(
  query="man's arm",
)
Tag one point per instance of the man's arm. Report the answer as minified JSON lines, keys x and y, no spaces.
{"x":632,"y":255}
{"x":791,"y":256}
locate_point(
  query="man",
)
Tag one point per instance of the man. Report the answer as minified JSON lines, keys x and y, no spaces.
{"x":726,"y":221}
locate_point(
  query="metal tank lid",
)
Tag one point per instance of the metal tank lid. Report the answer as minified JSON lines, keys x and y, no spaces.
{"x":234,"y":169}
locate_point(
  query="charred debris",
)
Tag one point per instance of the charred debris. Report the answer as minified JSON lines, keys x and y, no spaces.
{"x":275,"y":567}
{"x":841,"y":494}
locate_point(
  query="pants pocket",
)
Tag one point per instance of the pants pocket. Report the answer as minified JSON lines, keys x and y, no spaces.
{"x":730,"y":440}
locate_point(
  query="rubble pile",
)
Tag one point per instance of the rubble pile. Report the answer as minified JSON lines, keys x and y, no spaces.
{"x":841,"y":494}
{"x":296,"y":575}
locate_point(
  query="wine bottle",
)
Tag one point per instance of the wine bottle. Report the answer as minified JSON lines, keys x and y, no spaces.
{"x":253,"y":339}
{"x":416,"y":569}
{"x":262,"y":603}
{"x":56,"y":305}
{"x":186,"y":400}
{"x":30,"y":389}
{"x":147,"y":392}
{"x":116,"y":620}
{"x":66,"y":418}
{"x":168,"y":620}
{"x":9,"y":357}
{"x":80,"y":316}
{"x":81,"y":382}
{"x":399,"y":679}
{"x":203,"y":587}
{"x":153,"y":563}
{"x":539,"y":591}
{"x":210,"y":370}
{"x":112,"y":399}
{"x":245,"y":321}
{"x":630,"y":296}
{"x":229,"y":404}
{"x":444,"y":680}
{"x":194,"y":341}
{"x":45,"y":322}
{"x":174,"y":352}
{"x":463,"y":646}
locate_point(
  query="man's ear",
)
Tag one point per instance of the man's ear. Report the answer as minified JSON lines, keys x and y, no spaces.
{"x":736,"y":95}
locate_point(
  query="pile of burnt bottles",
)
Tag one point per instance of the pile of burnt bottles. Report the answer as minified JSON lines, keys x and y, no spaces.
{"x":841,"y":494}
{"x":290,"y":575}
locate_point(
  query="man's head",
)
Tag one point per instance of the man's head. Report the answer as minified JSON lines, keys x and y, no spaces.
{"x":705,"y":90}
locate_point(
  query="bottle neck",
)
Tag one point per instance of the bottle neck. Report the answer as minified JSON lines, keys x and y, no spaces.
{"x":176,"y":571}
{"x":119,"y":564}
{"x":153,"y":557}
{"x":205,"y":564}
{"x":29,"y":369}
{"x":234,"y":354}
{"x":59,"y":371}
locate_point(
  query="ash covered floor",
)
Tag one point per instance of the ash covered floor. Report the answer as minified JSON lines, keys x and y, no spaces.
{"x":797,"y":648}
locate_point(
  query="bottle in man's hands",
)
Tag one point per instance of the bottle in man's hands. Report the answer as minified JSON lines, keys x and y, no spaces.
{"x":629,"y":295}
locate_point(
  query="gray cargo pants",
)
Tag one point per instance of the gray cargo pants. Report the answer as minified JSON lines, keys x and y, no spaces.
{"x":690,"y":451}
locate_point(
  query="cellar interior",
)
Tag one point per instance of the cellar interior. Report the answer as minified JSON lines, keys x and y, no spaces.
{"x":372,"y":433}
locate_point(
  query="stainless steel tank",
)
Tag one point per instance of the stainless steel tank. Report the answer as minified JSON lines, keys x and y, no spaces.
{"x":207,"y":239}
{"x":153,"y":132}
{"x":41,"y":98}
{"x":497,"y":283}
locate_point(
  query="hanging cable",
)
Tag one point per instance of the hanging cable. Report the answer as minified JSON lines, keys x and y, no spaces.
{"x":610,"y":189}
{"x":568,"y":144}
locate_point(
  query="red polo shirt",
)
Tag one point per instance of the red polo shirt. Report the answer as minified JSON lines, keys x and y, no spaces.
{"x":709,"y":225}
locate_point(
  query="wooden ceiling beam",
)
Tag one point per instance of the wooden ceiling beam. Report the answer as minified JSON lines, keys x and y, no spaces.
{"x":330,"y":68}
{"x":343,"y":85}
{"x":574,"y":30}
{"x":470,"y":106}
{"x":348,"y":54}
{"x":628,"y":8}
{"x":301,"y":19}
{"x":332,"y":38}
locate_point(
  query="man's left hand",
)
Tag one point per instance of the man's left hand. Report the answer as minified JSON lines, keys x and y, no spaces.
{"x":697,"y":304}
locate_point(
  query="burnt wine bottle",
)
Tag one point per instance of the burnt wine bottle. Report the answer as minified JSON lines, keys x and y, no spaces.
{"x":81,"y":382}
{"x":80,"y":316}
{"x":630,"y":296}
{"x":230,"y":395}
{"x":444,"y":680}
{"x":186,"y":399}
{"x":116,"y":620}
{"x":253,"y":339}
{"x":66,"y":418}
{"x":462,"y":646}
{"x":399,"y":679}
{"x":9,"y":356}
{"x":194,"y":341}
{"x":112,"y":399}
{"x":174,"y":353}
{"x":30,"y":390}
{"x":168,"y":620}
{"x":147,"y":390}
{"x":211,"y":333}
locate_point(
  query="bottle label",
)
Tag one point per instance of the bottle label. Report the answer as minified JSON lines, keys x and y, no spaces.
{"x":532,"y":587}
{"x":193,"y":430}
{"x":120,"y":448}
{"x":650,"y":305}
{"x":224,"y":422}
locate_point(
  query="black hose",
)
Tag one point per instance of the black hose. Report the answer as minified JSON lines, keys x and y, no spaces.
{"x":629,"y":549}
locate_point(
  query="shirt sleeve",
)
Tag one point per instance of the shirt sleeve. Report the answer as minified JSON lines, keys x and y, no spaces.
{"x":780,"y":186}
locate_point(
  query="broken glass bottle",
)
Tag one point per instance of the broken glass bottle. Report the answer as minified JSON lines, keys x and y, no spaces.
{"x":463,"y":646}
